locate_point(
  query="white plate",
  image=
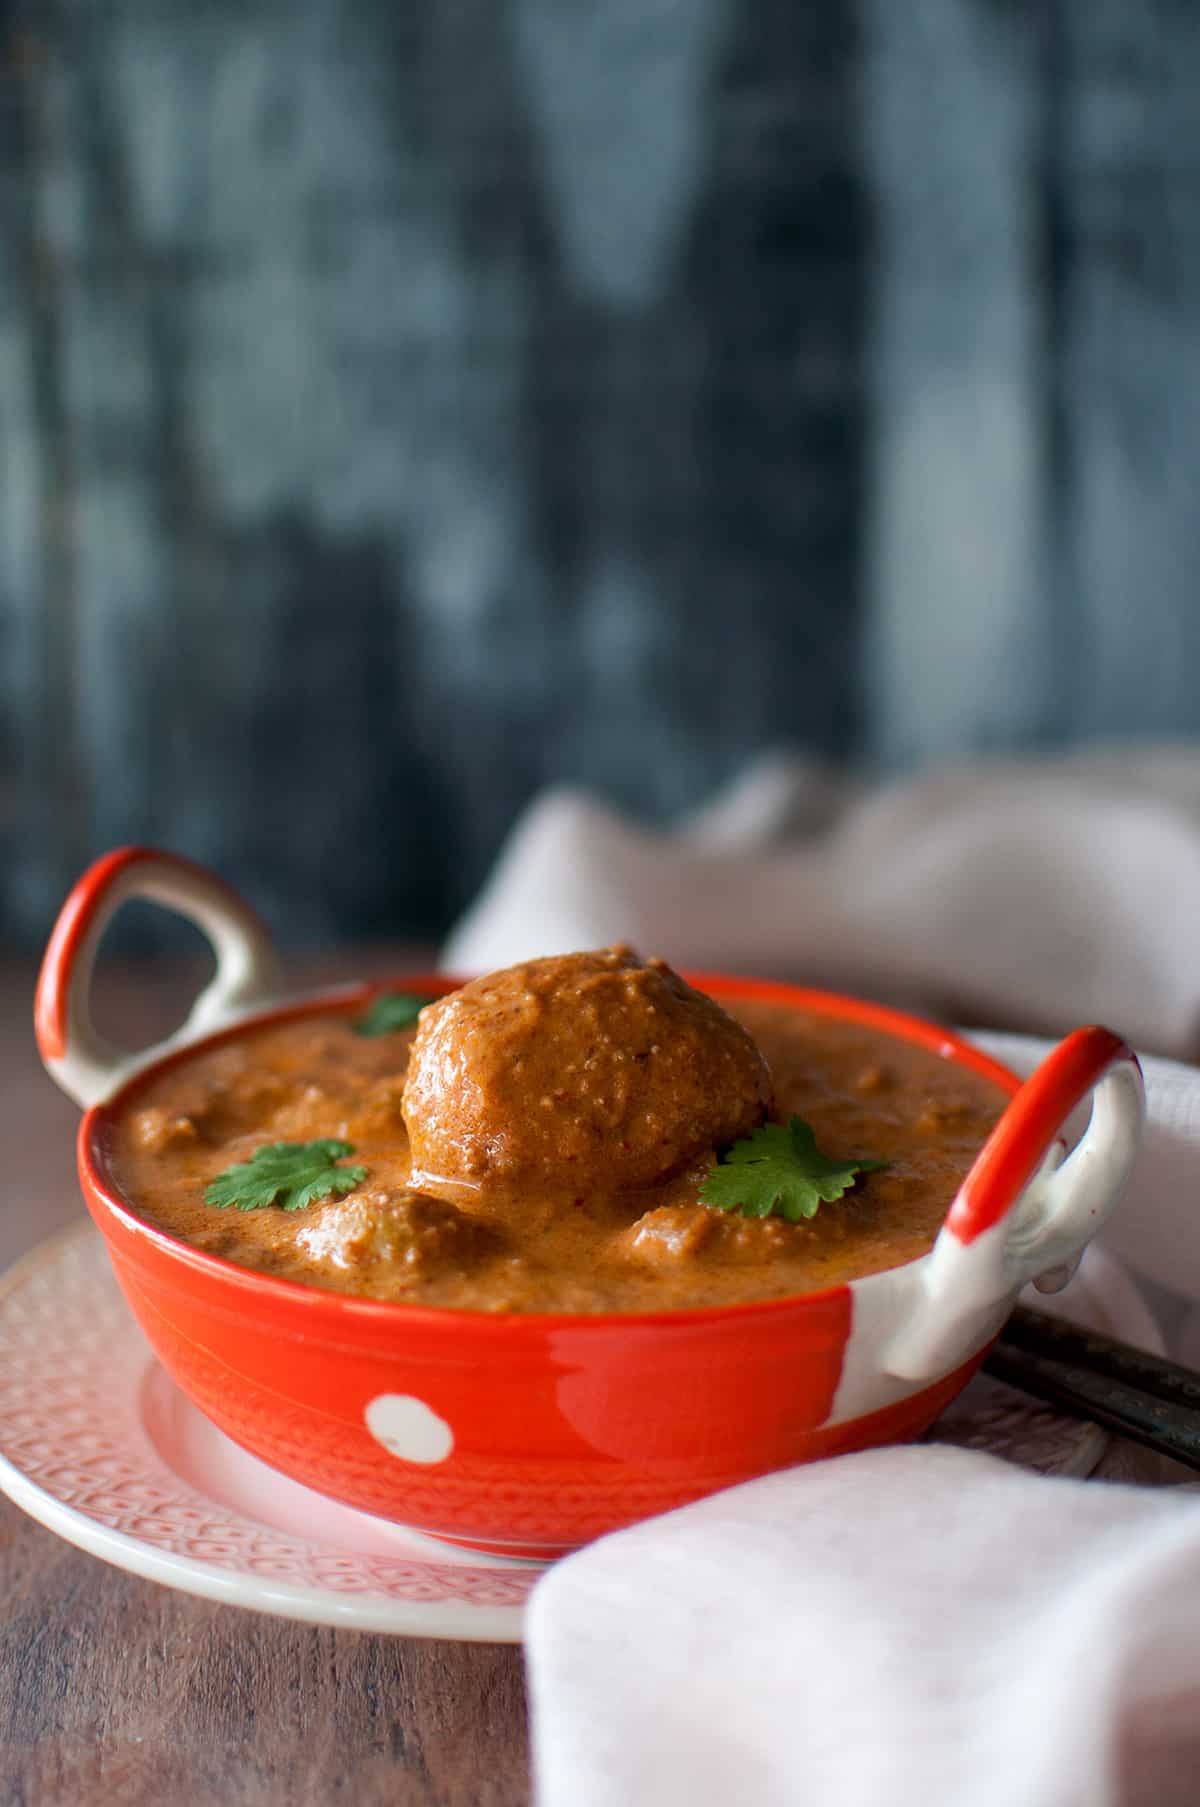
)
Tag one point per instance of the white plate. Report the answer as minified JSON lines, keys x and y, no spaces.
{"x":97,"y":1443}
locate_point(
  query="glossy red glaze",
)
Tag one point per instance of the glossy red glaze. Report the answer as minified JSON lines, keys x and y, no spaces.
{"x":52,"y":997}
{"x":1016,"y":1146}
{"x":564,"y":1426}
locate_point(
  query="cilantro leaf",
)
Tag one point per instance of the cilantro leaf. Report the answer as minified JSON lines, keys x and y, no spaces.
{"x":780,"y":1170}
{"x":290,"y":1174}
{"x":391,"y":1010}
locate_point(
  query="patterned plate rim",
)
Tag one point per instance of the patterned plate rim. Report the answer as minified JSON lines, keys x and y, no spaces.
{"x":459,"y":1619}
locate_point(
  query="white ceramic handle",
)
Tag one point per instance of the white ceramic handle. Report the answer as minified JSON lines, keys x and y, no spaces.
{"x":86,"y":1066}
{"x":1024,"y":1212}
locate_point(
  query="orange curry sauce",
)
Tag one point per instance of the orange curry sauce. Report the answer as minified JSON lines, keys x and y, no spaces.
{"x":512,"y":1245}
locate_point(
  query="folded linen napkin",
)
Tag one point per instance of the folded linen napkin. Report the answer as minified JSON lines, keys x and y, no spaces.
{"x":919,"y":1625}
{"x":1033,"y":896}
{"x":905,"y":1626}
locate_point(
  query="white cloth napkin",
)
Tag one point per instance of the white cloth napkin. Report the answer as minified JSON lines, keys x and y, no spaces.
{"x":925,"y":1626}
{"x":918,"y":1625}
{"x":1037,"y":896}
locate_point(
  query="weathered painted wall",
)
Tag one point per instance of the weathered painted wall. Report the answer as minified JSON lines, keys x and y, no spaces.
{"x":402,"y":407}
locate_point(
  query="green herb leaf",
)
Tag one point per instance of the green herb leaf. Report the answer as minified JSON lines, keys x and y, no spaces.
{"x":782,"y":1171}
{"x":391,"y":1010}
{"x":290,"y":1174}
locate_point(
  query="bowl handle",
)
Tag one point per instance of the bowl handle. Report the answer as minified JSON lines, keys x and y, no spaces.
{"x":1024,"y":1212}
{"x":247,"y":976}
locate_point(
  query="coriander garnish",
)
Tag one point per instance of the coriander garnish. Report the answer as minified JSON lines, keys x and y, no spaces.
{"x":288,"y":1174}
{"x":780,"y":1170}
{"x":391,"y":1010}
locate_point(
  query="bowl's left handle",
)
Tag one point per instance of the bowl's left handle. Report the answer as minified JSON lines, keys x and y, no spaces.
{"x":247,"y":974}
{"x":1027,"y":1209}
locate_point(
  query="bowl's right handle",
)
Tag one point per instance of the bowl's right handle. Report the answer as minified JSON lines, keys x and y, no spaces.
{"x":1024,"y":1212}
{"x":247,"y":975}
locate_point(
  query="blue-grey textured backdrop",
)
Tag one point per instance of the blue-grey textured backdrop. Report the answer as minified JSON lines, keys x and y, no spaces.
{"x":404,"y":405}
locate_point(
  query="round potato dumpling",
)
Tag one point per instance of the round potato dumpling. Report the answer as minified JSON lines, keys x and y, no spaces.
{"x":578,"y":1072}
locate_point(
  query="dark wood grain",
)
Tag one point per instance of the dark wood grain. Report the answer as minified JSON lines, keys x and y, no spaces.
{"x":117,"y":1692}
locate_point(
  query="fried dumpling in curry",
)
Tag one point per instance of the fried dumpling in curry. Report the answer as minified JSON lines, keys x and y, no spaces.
{"x":577,"y":1071}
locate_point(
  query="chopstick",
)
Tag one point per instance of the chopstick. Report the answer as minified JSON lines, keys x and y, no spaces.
{"x":1145,"y":1397}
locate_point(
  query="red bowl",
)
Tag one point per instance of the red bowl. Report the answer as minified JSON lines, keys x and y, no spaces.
{"x":530,"y":1434}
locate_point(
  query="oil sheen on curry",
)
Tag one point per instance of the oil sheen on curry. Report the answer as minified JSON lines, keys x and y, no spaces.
{"x":537,"y":1142}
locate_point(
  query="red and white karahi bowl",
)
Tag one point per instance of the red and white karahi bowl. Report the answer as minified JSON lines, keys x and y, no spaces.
{"x":530,"y":1434}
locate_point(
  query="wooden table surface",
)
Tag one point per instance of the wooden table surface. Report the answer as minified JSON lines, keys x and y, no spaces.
{"x":115,"y":1690}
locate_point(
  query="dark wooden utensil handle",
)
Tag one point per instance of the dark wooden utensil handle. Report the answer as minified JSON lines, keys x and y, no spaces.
{"x":1145,"y":1397}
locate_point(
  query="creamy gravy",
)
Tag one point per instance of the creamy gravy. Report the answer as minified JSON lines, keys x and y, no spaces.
{"x":512,"y":1248}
